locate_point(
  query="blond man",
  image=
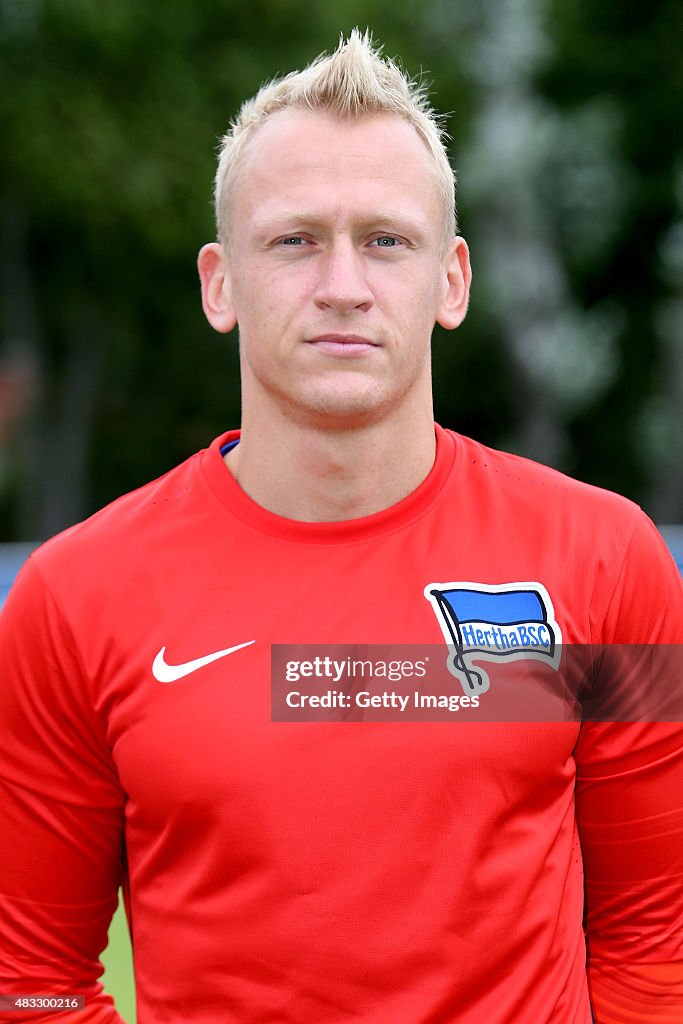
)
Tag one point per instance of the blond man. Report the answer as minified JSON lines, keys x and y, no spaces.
{"x":286,"y":859}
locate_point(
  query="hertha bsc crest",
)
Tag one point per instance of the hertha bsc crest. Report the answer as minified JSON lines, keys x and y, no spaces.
{"x":487,"y":622}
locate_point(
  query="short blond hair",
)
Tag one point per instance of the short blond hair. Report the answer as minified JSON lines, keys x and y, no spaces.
{"x":352,"y":82}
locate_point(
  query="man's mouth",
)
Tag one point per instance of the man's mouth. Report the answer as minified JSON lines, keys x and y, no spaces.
{"x":344,"y":345}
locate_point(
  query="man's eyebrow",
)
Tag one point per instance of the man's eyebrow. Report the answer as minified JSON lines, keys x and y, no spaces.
{"x":378,"y":219}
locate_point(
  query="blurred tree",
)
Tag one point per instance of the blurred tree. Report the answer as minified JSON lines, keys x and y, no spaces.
{"x":570,"y":178}
{"x":559,"y":356}
{"x":629,"y":58}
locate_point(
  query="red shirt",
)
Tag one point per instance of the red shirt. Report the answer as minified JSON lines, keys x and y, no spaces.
{"x":335,"y":871}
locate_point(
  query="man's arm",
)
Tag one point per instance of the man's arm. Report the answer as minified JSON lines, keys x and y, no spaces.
{"x":62,"y":809}
{"x":630,"y":814}
{"x":629,"y":803}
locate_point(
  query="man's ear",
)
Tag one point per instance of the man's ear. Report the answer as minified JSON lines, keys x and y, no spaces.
{"x":458,"y":277}
{"x":214,"y":275}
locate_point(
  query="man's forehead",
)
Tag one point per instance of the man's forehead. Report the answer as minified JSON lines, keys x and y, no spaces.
{"x":296,"y":149}
{"x":297,"y":134}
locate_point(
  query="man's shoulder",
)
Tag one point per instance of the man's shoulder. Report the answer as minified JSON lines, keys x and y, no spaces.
{"x":528,"y":481}
{"x":126,"y":525}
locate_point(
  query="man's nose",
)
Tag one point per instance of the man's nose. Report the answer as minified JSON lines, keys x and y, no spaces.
{"x":343,"y":285}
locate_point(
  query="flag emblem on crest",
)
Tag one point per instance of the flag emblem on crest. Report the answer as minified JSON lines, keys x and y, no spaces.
{"x":487,"y":622}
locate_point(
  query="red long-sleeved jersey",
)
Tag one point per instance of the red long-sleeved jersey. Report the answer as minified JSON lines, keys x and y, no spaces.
{"x":339,"y":871}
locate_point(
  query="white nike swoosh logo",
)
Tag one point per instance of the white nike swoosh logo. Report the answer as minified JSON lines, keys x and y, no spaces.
{"x":165,"y":673}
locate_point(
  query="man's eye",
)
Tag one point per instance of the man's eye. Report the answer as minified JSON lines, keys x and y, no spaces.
{"x":292,"y":240}
{"x":386,"y":241}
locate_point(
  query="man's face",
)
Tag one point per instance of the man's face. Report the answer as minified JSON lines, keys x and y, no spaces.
{"x":336,"y":270}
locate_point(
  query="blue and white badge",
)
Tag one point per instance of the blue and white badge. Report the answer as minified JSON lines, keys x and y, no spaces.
{"x":487,"y":622}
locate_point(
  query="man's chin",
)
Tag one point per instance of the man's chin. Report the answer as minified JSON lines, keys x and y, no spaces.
{"x":342,"y":411}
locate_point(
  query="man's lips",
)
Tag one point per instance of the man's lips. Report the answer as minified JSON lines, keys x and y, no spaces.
{"x":342,"y":344}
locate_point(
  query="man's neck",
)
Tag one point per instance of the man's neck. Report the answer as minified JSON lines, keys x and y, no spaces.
{"x":323,"y":475}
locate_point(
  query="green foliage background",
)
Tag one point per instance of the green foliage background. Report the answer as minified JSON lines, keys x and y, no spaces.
{"x":111,"y":111}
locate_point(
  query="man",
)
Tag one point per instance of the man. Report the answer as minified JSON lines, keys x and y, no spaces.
{"x":350,"y":868}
